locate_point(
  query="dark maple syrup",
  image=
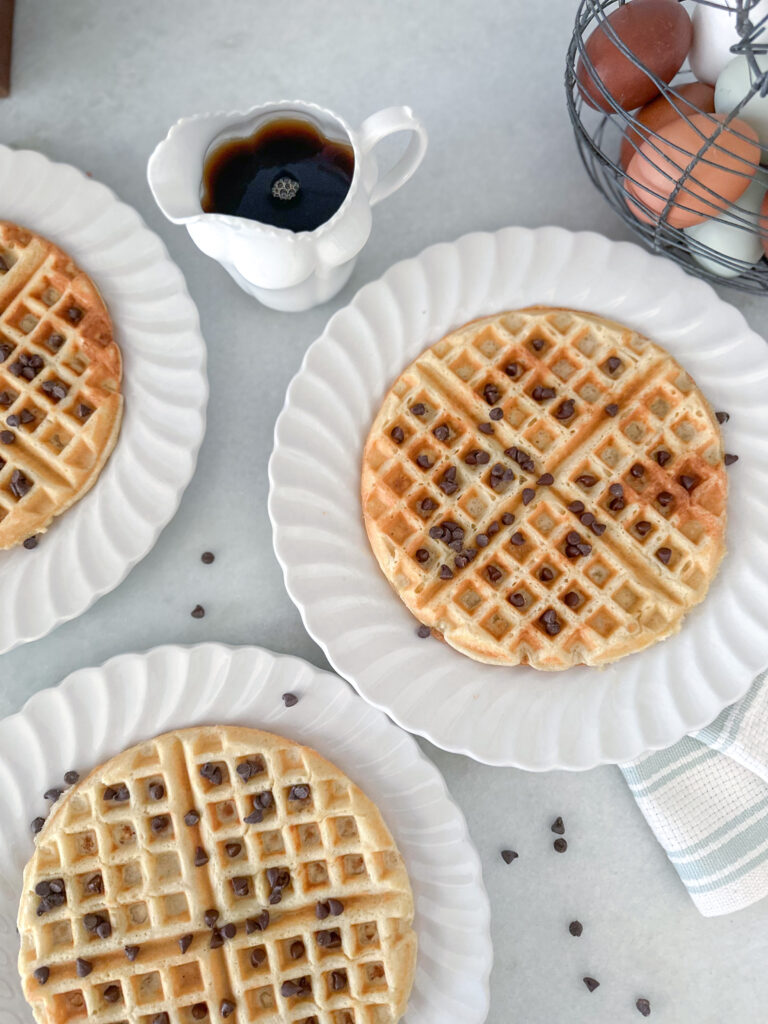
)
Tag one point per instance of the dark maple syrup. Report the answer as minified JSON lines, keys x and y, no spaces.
{"x":287,"y":174}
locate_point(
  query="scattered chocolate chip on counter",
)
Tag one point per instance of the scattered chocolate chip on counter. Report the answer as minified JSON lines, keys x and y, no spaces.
{"x":509,"y":855}
{"x":591,"y":983}
{"x":560,"y":845}
{"x":207,"y":557}
{"x":643,"y":1007}
{"x":290,"y":700}
{"x":558,"y":827}
{"x":576,"y":928}
{"x":197,"y":612}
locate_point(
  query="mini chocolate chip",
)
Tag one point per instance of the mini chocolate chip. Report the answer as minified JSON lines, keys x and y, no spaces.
{"x":586,"y":518}
{"x":71,"y":777}
{"x":445,"y":573}
{"x":612,"y":364}
{"x":637,"y":470}
{"x":191,"y":818}
{"x":485,"y":428}
{"x":233,"y":849}
{"x":688,"y":482}
{"x":257,"y":924}
{"x":157,"y":791}
{"x":461,"y":562}
{"x":557,"y":827}
{"x":591,"y":983}
{"x":664,"y":498}
{"x":27,"y":416}
{"x":397,"y":435}
{"x":20,"y":484}
{"x":104,"y":930}
{"x":52,"y":794}
{"x":227,"y":1008}
{"x":491,"y":394}
{"x":565,"y":410}
{"x":160,"y":823}
{"x":528,"y":495}
{"x":418,"y":409}
{"x":598,"y":528}
{"x":201,"y":857}
{"x":546,"y":575}
{"x":423,"y":632}
{"x":322,"y":910}
{"x":508,"y":856}
{"x":616,"y":504}
{"x":111,"y":993}
{"x":422,"y":461}
{"x":517,"y":599}
{"x":507,"y":519}
{"x":571,"y":599}
{"x":643,"y":527}
{"x":258,"y":956}
{"x":662,"y":456}
{"x":512,"y":369}
{"x":199,"y":1011}
{"x":74,"y":315}
{"x":577,"y":507}
{"x":83,"y":411}
{"x":131,"y":952}
{"x":95,"y":884}
{"x":7,"y":437}
{"x":722,"y":417}
{"x":586,"y":480}
{"x":336,"y":907}
{"x":229,"y":931}
{"x":441,"y":432}
{"x":617,"y":490}
{"x":560,"y":845}
{"x":42,"y":974}
{"x":83,"y":967}
{"x":185,"y":942}
{"x":428,"y":505}
{"x":161,"y":1018}
{"x":55,"y":389}
{"x":13,"y":420}
{"x":537,"y":344}
{"x":207,"y":557}
{"x":573,"y":537}
{"x":517,"y":539}
{"x":210,"y":917}
{"x":730,"y":459}
{"x":494,"y":573}
{"x":297,"y":950}
{"x":542,"y":394}
{"x":217,"y":939}
{"x":496,"y":414}
{"x":212,"y":773}
{"x":422,"y":555}
{"x":664,"y":555}
{"x":612,"y":409}
{"x":328,"y":939}
{"x":643,"y":1007}
{"x":240,"y":886}
{"x":338,"y":980}
{"x":576,"y":928}
{"x":197,"y":612}
{"x":546,"y":480}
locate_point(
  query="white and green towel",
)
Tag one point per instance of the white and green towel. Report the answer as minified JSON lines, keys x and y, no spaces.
{"x":706,"y":798}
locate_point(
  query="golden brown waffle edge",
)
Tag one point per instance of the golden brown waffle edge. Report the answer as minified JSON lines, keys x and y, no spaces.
{"x":604,"y":559}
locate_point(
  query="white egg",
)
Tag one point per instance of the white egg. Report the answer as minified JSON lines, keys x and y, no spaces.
{"x":733,"y":84}
{"x":714,"y":33}
{"x":733,"y":234}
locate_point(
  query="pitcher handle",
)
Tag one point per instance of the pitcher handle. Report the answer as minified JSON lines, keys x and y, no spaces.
{"x":387,"y":122}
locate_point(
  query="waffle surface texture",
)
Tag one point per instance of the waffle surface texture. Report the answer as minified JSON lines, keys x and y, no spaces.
{"x":546,"y":487}
{"x":60,"y":375}
{"x":216,"y":873}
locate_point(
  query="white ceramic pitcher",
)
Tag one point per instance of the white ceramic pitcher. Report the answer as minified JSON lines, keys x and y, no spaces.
{"x":284,"y":269}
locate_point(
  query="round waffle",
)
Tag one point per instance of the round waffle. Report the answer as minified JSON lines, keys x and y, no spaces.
{"x":60,"y":370}
{"x":216,"y":873}
{"x":546,"y":487}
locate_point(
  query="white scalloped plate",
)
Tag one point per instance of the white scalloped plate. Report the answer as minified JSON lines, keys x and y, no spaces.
{"x":517,"y":716}
{"x":92,"y":547}
{"x":97,"y":712}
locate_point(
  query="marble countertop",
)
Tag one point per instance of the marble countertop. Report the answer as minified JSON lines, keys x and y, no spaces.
{"x":96,"y":84}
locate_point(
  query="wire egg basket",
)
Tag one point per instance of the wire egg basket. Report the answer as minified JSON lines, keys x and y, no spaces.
{"x":600,"y":134}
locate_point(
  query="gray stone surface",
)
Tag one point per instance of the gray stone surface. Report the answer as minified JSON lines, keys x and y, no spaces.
{"x":96,"y":83}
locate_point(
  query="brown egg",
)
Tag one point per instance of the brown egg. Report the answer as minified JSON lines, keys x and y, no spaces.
{"x":763,"y":223}
{"x":724,"y":169}
{"x":658,"y":32}
{"x":691,"y":98}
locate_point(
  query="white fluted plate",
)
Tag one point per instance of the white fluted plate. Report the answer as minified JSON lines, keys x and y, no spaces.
{"x":97,"y":712}
{"x":90,"y":549}
{"x":518,"y":716}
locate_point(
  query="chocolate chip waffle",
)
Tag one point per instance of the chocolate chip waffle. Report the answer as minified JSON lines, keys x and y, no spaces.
{"x":546,"y":487}
{"x":216,"y":873}
{"x":60,"y":370}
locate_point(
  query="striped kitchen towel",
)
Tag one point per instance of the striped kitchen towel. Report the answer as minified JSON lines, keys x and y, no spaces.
{"x":706,"y":798}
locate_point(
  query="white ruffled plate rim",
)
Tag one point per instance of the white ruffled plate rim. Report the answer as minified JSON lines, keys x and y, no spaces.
{"x":96,"y":712}
{"x":587,"y":717}
{"x":90,"y":550}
